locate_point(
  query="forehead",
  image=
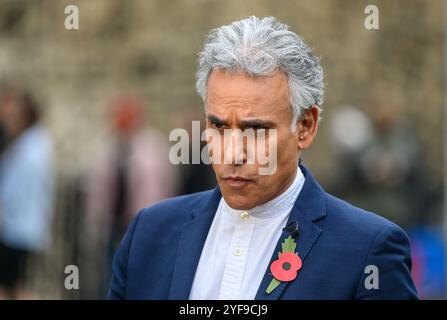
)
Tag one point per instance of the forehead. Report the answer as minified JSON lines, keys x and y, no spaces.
{"x":251,"y":96}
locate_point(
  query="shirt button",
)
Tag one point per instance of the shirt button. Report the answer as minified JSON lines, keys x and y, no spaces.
{"x":237,"y":251}
{"x":244,"y":215}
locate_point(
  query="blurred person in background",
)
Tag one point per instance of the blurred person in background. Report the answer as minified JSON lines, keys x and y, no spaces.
{"x":26,"y":189}
{"x":130,"y":171}
{"x":382,"y":159}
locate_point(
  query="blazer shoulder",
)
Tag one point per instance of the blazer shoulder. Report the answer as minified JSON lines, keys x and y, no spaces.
{"x":357,"y":219}
{"x":177,"y":208}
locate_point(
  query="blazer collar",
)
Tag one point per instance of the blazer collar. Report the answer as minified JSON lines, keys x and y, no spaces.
{"x":309,"y":207}
{"x":312,"y":199}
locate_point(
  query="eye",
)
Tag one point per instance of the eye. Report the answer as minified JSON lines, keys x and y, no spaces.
{"x":217,"y":125}
{"x":255,"y":127}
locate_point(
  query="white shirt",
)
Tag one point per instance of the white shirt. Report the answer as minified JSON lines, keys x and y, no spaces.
{"x":27,"y":191}
{"x":239,"y":247}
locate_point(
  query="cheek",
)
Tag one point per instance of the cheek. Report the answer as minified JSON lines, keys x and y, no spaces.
{"x":287,"y":148}
{"x":217,"y":169}
{"x":264,"y":183}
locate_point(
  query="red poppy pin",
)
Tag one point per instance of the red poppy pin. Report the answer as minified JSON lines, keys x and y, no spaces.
{"x":286,"y":267}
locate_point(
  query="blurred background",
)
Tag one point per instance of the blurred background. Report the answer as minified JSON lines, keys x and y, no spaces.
{"x":85,"y":117}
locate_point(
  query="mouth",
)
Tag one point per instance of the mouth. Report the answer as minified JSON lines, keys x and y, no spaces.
{"x":236,"y":182}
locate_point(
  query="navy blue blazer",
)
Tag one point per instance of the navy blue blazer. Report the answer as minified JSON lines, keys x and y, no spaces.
{"x":159,"y":254}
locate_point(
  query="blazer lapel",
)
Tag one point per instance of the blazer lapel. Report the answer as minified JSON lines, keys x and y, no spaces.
{"x":309,"y":207}
{"x":192,"y":240}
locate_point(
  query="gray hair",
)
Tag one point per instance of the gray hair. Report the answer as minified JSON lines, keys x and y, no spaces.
{"x":259,"y":47}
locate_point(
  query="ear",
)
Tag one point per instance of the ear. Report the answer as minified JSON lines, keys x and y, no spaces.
{"x":307,"y":127}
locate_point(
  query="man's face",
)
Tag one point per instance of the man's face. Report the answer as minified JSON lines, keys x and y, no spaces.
{"x":236,"y":101}
{"x":12,"y":116}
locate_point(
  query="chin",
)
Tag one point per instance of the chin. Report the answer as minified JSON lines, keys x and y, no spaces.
{"x":239,"y":202}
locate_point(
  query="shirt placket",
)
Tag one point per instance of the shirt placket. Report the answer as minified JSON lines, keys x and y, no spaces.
{"x":236,"y":260}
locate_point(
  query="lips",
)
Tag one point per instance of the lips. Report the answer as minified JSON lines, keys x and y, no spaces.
{"x":237,"y":182}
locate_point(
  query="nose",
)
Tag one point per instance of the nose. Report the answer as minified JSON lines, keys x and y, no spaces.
{"x":234,"y":151}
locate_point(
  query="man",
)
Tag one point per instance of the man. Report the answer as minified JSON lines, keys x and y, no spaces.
{"x":26,"y":189}
{"x":125,"y":176}
{"x":261,"y":236}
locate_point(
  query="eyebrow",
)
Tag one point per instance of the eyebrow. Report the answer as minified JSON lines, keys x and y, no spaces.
{"x":257,"y":123}
{"x":216,"y":120}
